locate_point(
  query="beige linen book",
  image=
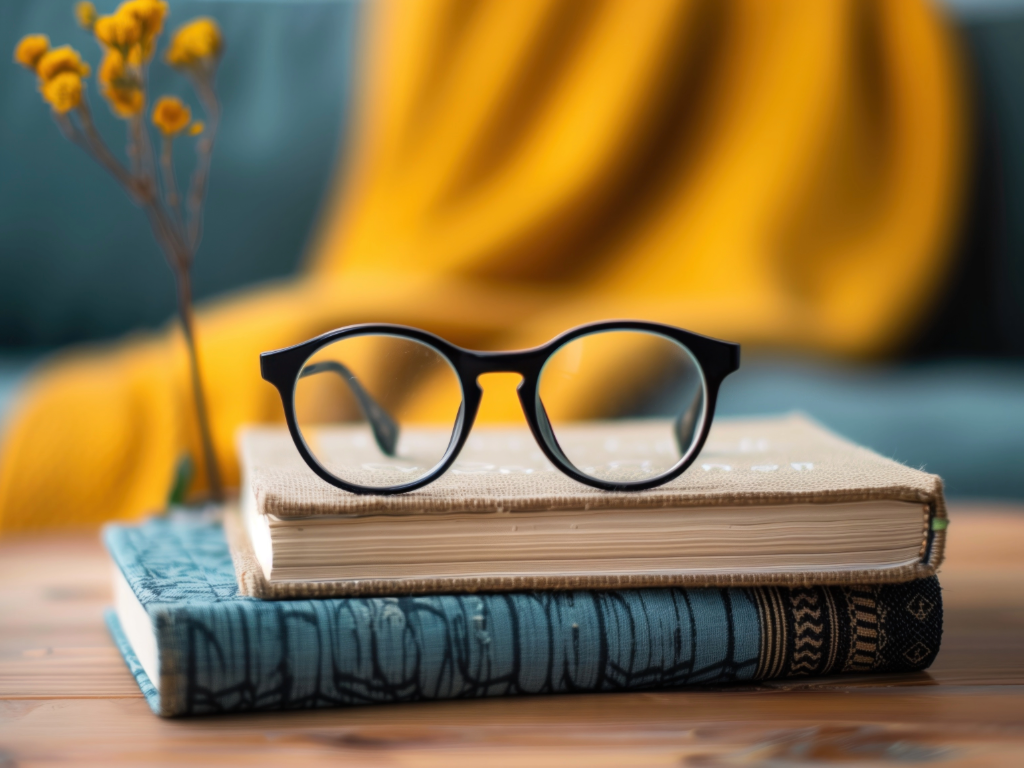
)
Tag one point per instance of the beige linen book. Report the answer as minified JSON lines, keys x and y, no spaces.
{"x":768,"y":501}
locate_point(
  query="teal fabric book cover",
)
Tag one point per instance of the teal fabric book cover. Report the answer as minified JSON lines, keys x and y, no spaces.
{"x":217,"y":651}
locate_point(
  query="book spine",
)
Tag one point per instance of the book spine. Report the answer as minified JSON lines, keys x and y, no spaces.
{"x":254,"y":655}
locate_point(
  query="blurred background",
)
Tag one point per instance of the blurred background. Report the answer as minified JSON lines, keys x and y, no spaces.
{"x":841,"y":190}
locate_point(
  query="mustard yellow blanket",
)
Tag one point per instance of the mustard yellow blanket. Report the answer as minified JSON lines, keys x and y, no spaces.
{"x":782,"y":174}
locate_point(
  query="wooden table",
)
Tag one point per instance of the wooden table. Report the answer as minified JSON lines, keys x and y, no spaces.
{"x":66,"y":696}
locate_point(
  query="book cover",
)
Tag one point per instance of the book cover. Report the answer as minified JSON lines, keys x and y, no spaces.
{"x":215,"y":650}
{"x":759,"y":463}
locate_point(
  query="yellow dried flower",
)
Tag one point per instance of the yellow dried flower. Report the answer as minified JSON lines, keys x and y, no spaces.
{"x":30,"y":50}
{"x":149,"y":15}
{"x":118,"y":30}
{"x":125,"y":104}
{"x":198,"y":41}
{"x":86,"y":14}
{"x":196,"y":128}
{"x":135,"y":22}
{"x":59,"y":60}
{"x":60,"y":71}
{"x":63,"y":91}
{"x":119,"y":85}
{"x":171,"y":115}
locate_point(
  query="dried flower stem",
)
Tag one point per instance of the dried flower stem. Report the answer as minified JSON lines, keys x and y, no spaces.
{"x":94,"y":143}
{"x":184,"y":286}
{"x":177,"y":238}
{"x":202,"y":83}
{"x":170,"y":185}
{"x":135,"y":145}
{"x":128,"y":38}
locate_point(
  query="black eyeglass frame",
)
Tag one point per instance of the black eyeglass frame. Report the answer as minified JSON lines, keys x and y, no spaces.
{"x":716,"y":358}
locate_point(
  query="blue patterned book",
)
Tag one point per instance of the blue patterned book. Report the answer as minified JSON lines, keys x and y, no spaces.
{"x":196,"y":646}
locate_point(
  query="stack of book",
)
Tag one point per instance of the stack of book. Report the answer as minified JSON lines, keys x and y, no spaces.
{"x":783,"y":551}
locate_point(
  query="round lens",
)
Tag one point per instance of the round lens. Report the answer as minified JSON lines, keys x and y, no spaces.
{"x":624,"y":406}
{"x":377,"y":411}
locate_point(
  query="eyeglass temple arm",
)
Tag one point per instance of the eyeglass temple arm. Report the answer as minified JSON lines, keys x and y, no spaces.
{"x":385,"y":429}
{"x":686,"y":424}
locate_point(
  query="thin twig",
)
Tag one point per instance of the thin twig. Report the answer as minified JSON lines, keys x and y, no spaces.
{"x":142,"y":189}
{"x":167,"y":235}
{"x":175,"y":245}
{"x":145,"y":145}
{"x":175,"y":248}
{"x":135,"y":129}
{"x":172,"y":227}
{"x":89,"y":139}
{"x":167,"y":242}
{"x":203,"y":84}
{"x":184,"y":285}
{"x":170,"y":185}
{"x":70,"y":130}
{"x":98,"y":149}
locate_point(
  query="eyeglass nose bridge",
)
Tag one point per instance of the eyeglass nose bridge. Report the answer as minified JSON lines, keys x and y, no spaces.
{"x":527,"y":363}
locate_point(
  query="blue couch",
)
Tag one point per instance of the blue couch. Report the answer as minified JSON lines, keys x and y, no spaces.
{"x":77,"y":262}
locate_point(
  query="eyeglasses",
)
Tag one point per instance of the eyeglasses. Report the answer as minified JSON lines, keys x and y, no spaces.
{"x":386,"y":409}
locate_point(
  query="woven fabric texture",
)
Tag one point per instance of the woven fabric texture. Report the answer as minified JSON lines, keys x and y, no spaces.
{"x":766,"y":461}
{"x":776,"y":460}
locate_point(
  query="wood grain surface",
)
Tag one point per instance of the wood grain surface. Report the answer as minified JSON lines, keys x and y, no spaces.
{"x":67,"y":697}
